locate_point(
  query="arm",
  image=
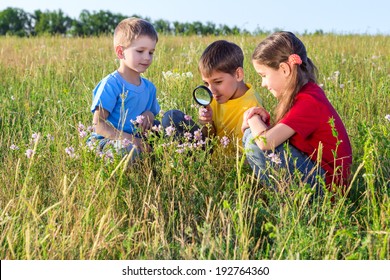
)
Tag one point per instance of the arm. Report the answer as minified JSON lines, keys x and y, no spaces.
{"x":260,"y":111}
{"x":105,"y":129}
{"x":269,"y":139}
{"x":206,"y":120}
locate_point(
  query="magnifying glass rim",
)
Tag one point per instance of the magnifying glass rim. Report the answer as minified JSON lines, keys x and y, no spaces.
{"x":207,"y":90}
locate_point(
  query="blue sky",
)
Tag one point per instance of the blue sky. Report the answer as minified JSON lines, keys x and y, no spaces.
{"x":338,"y":16}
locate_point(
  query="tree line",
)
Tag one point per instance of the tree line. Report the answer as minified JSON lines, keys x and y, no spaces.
{"x":17,"y":22}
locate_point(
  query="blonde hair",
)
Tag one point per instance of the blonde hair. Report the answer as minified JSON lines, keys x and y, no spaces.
{"x":276,"y":49}
{"x":130,"y":29}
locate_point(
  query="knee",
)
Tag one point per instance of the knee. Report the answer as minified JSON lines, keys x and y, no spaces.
{"x":172,"y":117}
{"x":248,"y":142}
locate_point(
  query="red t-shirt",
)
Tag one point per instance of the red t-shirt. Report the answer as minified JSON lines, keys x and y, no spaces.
{"x":310,"y":118}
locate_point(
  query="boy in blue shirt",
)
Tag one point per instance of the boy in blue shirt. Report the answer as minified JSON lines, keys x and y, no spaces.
{"x":124,"y":102}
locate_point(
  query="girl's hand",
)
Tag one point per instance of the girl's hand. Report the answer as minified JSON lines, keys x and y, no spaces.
{"x":205,"y":115}
{"x":258,"y":111}
{"x":264,"y":115}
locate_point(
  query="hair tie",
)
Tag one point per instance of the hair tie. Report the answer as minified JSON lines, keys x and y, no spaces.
{"x":294,"y":59}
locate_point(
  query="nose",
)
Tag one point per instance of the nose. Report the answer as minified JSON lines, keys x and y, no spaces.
{"x":211,"y":88}
{"x":148,"y":56}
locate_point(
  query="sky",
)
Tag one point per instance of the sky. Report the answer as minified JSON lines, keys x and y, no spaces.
{"x":337,"y":16}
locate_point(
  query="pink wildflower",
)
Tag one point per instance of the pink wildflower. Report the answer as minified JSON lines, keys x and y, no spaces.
{"x":198,"y":135}
{"x":275,"y":158}
{"x":70,"y":151}
{"x":82,"y":134}
{"x":35,"y":137}
{"x":14,"y":147}
{"x":225,"y":141}
{"x":29,"y":153}
{"x":188,"y":135}
{"x":170,"y":130}
{"x":140,"y":119}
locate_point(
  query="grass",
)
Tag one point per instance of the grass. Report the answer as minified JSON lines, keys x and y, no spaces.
{"x":172,"y":205}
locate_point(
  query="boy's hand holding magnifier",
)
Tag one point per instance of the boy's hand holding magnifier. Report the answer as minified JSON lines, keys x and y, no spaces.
{"x":203,"y":96}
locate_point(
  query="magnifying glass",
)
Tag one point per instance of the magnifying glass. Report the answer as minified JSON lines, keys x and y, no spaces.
{"x":202,"y":95}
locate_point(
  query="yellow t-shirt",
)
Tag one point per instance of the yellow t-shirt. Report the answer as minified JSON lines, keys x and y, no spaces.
{"x":228,"y":117}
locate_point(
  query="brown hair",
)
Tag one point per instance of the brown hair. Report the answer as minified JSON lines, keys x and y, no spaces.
{"x":130,"y":29}
{"x":221,"y":56}
{"x":276,"y":49}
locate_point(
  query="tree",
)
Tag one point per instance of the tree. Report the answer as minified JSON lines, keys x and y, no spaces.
{"x":14,"y":21}
{"x":51,"y":22}
{"x":96,"y":23}
{"x":162,"y":26}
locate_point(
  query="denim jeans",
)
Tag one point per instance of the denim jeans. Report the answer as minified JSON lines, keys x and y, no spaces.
{"x":285,"y":156}
{"x":104,"y":144}
{"x":176,"y":118}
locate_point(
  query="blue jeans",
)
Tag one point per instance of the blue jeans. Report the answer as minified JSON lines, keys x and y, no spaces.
{"x":286,"y":157}
{"x":104,"y":144}
{"x":176,"y":119}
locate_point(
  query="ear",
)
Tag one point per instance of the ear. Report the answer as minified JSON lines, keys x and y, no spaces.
{"x":119,"y":52}
{"x":285,"y":69}
{"x":239,"y":74}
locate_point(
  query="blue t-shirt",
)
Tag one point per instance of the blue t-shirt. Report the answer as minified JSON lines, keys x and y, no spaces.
{"x":124,"y":101}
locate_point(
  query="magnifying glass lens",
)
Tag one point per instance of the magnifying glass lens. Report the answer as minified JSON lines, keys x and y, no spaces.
{"x":202,"y":95}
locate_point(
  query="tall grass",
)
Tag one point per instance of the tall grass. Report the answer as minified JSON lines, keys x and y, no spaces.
{"x":170,"y":205}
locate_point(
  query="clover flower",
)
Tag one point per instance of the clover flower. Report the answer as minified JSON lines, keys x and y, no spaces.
{"x":35,"y":137}
{"x":82,"y":134}
{"x":81,"y":127}
{"x":158,"y":128}
{"x":70,"y":151}
{"x":140,"y":119}
{"x":29,"y":153}
{"x":198,"y":135}
{"x":225,"y":141}
{"x":187,"y":117}
{"x":387,"y":117}
{"x":275,"y":158}
{"x":14,"y":147}
{"x":170,"y":130}
{"x":188,"y":136}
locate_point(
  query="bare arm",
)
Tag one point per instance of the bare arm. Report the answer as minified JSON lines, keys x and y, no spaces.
{"x":270,"y":139}
{"x":105,"y":129}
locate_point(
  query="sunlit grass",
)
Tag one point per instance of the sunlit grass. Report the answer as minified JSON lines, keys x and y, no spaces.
{"x":60,"y":205}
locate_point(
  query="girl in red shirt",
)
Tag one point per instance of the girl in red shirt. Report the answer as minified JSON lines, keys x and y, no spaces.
{"x":308,"y":134}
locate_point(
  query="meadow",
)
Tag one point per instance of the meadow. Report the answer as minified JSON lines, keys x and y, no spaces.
{"x":60,"y":200}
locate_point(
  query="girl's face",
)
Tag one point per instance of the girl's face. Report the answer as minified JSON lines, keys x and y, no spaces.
{"x":224,"y":86}
{"x":139,"y":55}
{"x":274,"y":80}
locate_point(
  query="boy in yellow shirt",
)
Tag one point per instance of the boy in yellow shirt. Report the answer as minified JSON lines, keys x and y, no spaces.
{"x":221,"y":68}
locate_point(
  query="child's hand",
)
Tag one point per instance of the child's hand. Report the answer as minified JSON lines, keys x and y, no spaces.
{"x":259,"y":111}
{"x":205,"y":115}
{"x":147,"y":121}
{"x":264,"y":115}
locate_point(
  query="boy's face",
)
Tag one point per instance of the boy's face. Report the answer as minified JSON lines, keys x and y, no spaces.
{"x":139,"y":55}
{"x":224,"y":86}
